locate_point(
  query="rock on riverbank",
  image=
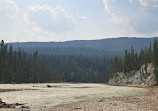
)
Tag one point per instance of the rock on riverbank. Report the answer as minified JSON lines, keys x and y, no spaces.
{"x":134,"y":78}
{"x":5,"y":105}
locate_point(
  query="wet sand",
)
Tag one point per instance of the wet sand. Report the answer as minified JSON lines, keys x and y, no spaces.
{"x":145,"y":102}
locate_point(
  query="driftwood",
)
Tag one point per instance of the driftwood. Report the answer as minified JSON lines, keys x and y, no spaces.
{"x":5,"y":105}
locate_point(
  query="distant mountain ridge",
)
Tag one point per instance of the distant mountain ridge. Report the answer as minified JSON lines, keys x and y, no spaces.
{"x":96,"y":47}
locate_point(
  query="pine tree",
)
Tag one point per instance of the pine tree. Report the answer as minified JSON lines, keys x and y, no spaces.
{"x":125,"y":61}
{"x":155,"y":59}
{"x":141,"y":57}
{"x":132,"y":58}
{"x":149,"y":54}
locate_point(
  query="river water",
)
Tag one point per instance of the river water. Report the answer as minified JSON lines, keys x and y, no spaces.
{"x":40,"y":96}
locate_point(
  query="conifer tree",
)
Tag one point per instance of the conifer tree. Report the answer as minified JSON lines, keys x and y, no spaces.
{"x":155,"y":59}
{"x":149,"y":54}
{"x":132,"y":58}
{"x":125,"y":61}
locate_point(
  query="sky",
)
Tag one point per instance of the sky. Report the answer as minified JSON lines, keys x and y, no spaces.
{"x":64,"y":20}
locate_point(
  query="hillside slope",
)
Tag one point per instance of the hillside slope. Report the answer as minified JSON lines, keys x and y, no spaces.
{"x":112,"y":46}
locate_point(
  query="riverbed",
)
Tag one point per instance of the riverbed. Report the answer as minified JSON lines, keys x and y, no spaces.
{"x":44,"y":95}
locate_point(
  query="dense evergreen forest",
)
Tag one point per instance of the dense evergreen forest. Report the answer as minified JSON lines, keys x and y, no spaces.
{"x":133,"y":60}
{"x":21,"y":67}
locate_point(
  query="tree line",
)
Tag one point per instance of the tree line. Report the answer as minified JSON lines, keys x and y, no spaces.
{"x":21,"y":67}
{"x":133,"y":60}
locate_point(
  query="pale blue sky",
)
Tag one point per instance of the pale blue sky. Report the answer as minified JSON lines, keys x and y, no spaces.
{"x":62,"y":20}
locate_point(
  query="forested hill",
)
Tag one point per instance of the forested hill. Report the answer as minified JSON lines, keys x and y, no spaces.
{"x":20,"y":67}
{"x":109,"y":47}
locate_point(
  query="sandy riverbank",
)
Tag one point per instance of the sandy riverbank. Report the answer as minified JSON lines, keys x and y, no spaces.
{"x":146,"y":102}
{"x":43,"y":96}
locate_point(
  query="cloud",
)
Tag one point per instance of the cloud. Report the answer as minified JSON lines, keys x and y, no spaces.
{"x":13,"y":27}
{"x":116,"y":17}
{"x":9,"y":19}
{"x":9,"y":5}
{"x":123,"y":20}
{"x":82,"y":17}
{"x":137,"y":15}
{"x":37,"y":23}
{"x":8,"y":11}
{"x":53,"y":20}
{"x":149,"y":3}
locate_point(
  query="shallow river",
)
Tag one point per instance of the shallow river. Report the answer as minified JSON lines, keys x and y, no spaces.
{"x":61,"y":93}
